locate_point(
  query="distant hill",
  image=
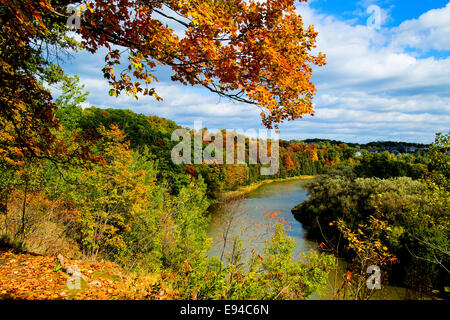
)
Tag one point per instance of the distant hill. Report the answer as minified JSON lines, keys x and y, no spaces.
{"x":156,"y":131}
{"x":370,"y":145}
{"x":393,"y":144}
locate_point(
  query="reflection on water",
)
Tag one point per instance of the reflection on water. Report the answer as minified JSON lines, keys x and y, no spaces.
{"x":253,"y":218}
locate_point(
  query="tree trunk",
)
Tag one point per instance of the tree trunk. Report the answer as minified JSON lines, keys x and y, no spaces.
{"x":3,"y":201}
{"x":21,"y":231}
{"x":4,"y":208}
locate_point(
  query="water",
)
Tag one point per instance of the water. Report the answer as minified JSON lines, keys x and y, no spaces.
{"x":250,"y":219}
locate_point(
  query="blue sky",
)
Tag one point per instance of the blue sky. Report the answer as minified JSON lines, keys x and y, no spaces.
{"x":399,"y":10}
{"x":386,"y":83}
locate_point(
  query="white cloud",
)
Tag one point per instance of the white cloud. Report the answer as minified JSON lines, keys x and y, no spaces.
{"x":181,"y":104}
{"x":430,"y":31}
{"x":374,"y":86}
{"x":371,"y":85}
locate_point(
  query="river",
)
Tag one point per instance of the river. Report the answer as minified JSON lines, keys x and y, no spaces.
{"x":250,"y":220}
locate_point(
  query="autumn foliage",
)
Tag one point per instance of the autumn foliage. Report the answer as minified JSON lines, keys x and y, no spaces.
{"x":36,"y":277}
{"x":248,"y":51}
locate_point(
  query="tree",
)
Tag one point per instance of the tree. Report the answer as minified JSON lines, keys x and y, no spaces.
{"x":248,"y":51}
{"x":113,"y":193}
{"x":283,"y":276}
{"x":279,"y":275}
{"x":439,"y":165}
{"x":28,"y":38}
{"x":69,"y":102}
{"x":366,"y":242}
{"x":432,"y":223}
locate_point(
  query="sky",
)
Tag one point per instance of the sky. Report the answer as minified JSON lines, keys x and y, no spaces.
{"x":387,"y":77}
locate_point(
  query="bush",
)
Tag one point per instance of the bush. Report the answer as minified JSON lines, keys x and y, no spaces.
{"x":417,"y":216}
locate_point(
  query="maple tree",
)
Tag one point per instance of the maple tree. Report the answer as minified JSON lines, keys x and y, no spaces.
{"x":248,"y":51}
{"x":26,"y":108}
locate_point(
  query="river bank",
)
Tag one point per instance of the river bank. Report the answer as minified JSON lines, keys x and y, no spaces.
{"x":241,"y":218}
{"x":244,"y":190}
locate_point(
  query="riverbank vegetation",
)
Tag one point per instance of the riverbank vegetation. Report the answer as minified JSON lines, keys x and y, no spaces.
{"x":242,"y":191}
{"x":127,"y":203}
{"x":404,"y":199}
